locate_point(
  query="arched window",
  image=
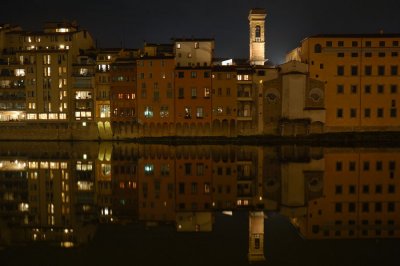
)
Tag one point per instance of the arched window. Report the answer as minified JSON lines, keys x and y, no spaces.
{"x":317,"y":48}
{"x":258,"y":33}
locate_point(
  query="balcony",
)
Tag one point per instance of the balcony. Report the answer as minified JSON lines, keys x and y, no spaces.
{"x":244,"y":96}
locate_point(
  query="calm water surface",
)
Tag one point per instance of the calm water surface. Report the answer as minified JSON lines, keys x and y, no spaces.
{"x":134,"y":204}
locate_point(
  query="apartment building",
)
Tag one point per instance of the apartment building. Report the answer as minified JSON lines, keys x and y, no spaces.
{"x":360,"y":72}
{"x":156,"y":101}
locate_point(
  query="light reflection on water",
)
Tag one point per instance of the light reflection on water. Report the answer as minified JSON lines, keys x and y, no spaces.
{"x":207,"y":204}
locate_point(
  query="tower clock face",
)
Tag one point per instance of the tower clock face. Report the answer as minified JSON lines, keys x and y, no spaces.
{"x":316,"y":95}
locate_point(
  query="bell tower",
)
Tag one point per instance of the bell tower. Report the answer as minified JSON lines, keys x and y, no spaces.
{"x":257,"y":36}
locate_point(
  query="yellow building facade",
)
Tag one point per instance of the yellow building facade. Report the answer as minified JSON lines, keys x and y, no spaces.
{"x":361,"y":78}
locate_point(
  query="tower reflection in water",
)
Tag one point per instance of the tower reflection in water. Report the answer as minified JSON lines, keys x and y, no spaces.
{"x":59,"y":193}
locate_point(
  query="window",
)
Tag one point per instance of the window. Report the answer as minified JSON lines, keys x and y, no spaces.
{"x":188,"y":112}
{"x":194,"y":92}
{"x":391,"y":207}
{"x":199,"y":112}
{"x":164,"y":111}
{"x":340,"y":89}
{"x":366,"y":166}
{"x":188,"y":168}
{"x":352,"y":189}
{"x":395,"y":54}
{"x":193,"y":74}
{"x":339,"y":166}
{"x":379,"y":112}
{"x":149,"y":169}
{"x":194,"y":188}
{"x":354,"y":54}
{"x":206,"y":92}
{"x":317,"y":48}
{"x":200,"y":169}
{"x":352,"y":166}
{"x":365,"y":189}
{"x":178,"y":46}
{"x":206,"y":74}
{"x":340,"y":43}
{"x":391,"y":189}
{"x":392,"y":165}
{"x":393,"y":88}
{"x":181,"y":74}
{"x":368,"y":54}
{"x":381,"y":70}
{"x":148,"y":111}
{"x":339,"y":113}
{"x":328,"y":44}
{"x":354,"y":70}
{"x":340,"y":70}
{"x":393,"y":70}
{"x":354,"y":43}
{"x":378,"y":189}
{"x":196,"y":45}
{"x":352,"y":207}
{"x":181,"y":188}
{"x":353,"y":89}
{"x":380,"y":89}
{"x":382,"y":43}
{"x":338,"y":207}
{"x":338,"y":189}
{"x":378,"y":206}
{"x":381,"y":54}
{"x":181,"y":93}
{"x":353,"y":112}
{"x":368,"y":70}
{"x":367,"y":89}
{"x":368,"y":44}
{"x":340,"y":54}
{"x":365,"y":207}
{"x":393,"y":112}
{"x":258,"y":33}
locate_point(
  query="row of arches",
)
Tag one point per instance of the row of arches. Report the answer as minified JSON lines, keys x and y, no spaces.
{"x":223,"y":128}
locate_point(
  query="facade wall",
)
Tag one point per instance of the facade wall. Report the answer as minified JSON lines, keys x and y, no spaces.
{"x":361,"y":75}
{"x":224,"y":109}
{"x":156,"y":108}
{"x":193,"y":108}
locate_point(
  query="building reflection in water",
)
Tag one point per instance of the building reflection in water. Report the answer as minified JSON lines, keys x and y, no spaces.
{"x":60,"y":192}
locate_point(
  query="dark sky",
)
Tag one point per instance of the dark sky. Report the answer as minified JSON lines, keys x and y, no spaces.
{"x":131,"y":22}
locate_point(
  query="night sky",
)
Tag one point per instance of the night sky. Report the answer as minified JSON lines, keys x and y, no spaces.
{"x":128,"y":23}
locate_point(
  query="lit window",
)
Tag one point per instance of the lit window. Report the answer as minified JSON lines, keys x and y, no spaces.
{"x":148,"y":112}
{"x":20,"y":72}
{"x":199,"y":112}
{"x":105,"y":110}
{"x":206,"y":92}
{"x":62,"y":30}
{"x":164,"y":111}
{"x":43,"y":116}
{"x":188,"y":112}
{"x":83,"y":71}
{"x":178,"y":46}
{"x":83,"y":95}
{"x":149,"y":169}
